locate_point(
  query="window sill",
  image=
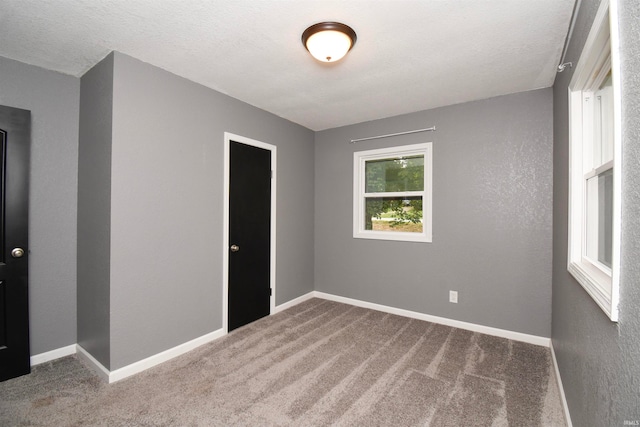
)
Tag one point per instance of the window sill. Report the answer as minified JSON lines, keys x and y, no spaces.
{"x":596,"y":283}
{"x":397,"y":236}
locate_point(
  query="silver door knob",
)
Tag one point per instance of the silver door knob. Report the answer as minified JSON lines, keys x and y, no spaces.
{"x":17,"y":252}
{"x":235,"y":248}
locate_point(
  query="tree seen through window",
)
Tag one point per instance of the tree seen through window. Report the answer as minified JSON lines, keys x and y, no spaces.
{"x":385,"y":209}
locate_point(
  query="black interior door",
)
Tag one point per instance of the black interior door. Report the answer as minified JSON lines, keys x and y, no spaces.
{"x":249,"y":234}
{"x":15,"y":136}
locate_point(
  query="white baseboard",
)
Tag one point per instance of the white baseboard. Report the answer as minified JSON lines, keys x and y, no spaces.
{"x":92,"y":363}
{"x":563,"y":398}
{"x":503,"y":333}
{"x":142,"y":365}
{"x":134,"y":368}
{"x":156,"y":359}
{"x":149,"y":362}
{"x":166,"y":355}
{"x":293,"y":302}
{"x":53,"y":354}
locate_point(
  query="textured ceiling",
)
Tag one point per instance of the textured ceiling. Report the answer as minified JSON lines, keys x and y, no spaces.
{"x":410,"y":55}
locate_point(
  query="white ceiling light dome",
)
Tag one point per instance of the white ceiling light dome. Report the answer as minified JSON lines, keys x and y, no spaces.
{"x":329,"y":41}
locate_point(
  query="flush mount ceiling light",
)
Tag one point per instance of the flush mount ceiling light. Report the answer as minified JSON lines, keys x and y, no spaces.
{"x":329,"y":41}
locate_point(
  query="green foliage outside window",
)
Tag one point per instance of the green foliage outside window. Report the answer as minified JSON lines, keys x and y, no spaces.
{"x":392,"y":176}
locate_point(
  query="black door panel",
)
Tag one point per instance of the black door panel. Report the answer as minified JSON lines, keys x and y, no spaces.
{"x":15,"y":138}
{"x":249,"y":233}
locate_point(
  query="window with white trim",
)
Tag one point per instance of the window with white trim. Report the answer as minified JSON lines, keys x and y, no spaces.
{"x":594,"y":156}
{"x":392,"y":193}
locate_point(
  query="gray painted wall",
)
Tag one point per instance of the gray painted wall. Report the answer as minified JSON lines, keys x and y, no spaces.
{"x":599,"y":360}
{"x":94,"y":210}
{"x":166,"y":207}
{"x":53,"y":99}
{"x":492,"y":230}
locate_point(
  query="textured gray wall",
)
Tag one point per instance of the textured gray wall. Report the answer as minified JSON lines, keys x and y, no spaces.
{"x":53,"y":99}
{"x":94,"y":210}
{"x":492,"y":181}
{"x":599,"y":360}
{"x":166,"y":207}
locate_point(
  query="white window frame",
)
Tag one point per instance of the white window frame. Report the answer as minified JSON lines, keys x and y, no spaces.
{"x":599,"y":53}
{"x":359,"y":195}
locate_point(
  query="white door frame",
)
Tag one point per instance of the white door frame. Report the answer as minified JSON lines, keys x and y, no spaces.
{"x":228,"y":137}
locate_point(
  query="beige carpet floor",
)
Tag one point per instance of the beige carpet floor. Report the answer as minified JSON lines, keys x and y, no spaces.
{"x":316,"y":364}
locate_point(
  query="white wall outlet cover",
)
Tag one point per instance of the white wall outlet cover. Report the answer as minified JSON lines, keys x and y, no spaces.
{"x":453,"y":296}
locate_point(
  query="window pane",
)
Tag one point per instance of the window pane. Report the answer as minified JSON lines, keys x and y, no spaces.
{"x":603,"y":123}
{"x":394,"y":214}
{"x":600,"y":217}
{"x":394,"y":175}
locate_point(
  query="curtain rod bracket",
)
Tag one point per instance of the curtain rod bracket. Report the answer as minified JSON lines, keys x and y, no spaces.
{"x":562,"y":67}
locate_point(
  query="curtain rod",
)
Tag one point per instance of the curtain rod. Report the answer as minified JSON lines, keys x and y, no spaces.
{"x":392,"y":134}
{"x":574,"y":15}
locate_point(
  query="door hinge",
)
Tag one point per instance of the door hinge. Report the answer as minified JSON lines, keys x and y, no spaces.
{"x":271,"y":174}
{"x":270,"y":291}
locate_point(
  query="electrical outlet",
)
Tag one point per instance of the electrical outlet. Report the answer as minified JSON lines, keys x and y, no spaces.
{"x":453,"y":296}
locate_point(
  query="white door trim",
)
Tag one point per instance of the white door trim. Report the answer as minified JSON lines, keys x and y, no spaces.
{"x":225,"y":224}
